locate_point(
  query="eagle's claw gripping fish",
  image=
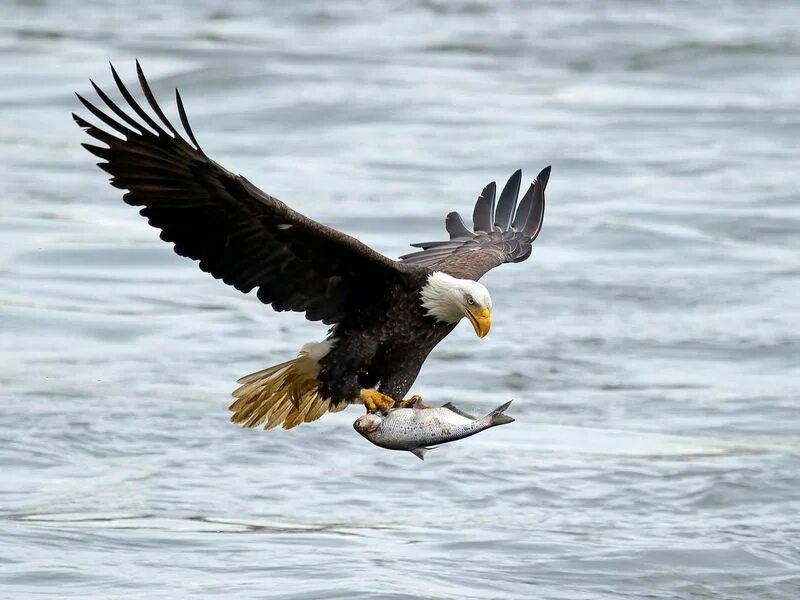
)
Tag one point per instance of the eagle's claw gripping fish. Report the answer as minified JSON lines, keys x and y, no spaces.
{"x":419,"y":429}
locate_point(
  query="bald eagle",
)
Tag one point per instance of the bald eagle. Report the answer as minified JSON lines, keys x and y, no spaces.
{"x":385,"y":315}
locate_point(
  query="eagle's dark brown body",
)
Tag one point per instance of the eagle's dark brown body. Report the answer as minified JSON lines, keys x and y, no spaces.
{"x":383,"y":348}
{"x":380,"y":332}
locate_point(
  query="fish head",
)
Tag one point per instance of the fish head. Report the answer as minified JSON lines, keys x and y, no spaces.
{"x":368,"y":423}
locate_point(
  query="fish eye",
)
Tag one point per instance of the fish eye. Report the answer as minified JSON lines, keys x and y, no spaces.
{"x":470,"y":300}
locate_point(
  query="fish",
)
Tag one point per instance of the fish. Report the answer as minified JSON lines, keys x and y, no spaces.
{"x":421,"y":429}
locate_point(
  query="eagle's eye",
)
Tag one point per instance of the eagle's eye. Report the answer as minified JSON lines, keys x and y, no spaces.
{"x":470,"y":300}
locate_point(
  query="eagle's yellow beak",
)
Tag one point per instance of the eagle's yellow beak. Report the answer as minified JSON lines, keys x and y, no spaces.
{"x":481,"y":321}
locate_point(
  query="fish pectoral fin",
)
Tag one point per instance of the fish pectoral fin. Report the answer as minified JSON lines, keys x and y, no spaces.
{"x":421,"y":451}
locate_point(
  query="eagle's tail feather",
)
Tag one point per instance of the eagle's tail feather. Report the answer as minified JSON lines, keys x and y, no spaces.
{"x":287,"y":393}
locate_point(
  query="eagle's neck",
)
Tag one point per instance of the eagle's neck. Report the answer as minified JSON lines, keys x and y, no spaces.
{"x":442,"y":297}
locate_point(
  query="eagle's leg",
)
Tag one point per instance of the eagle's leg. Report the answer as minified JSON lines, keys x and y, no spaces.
{"x":414,"y":401}
{"x":375,"y":401}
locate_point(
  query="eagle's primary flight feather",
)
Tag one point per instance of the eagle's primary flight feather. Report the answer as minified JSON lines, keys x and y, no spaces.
{"x":380,"y":334}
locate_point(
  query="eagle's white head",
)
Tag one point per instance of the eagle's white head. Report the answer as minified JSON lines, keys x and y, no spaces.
{"x":449,"y":299}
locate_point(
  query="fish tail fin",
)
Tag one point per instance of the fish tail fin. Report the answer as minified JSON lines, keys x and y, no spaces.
{"x":496,"y":417}
{"x":286,"y":394}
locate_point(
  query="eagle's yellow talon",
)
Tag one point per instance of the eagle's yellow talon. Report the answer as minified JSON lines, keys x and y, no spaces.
{"x":374,"y":401}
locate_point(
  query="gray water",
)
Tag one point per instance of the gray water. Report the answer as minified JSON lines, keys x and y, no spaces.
{"x":650,"y":345}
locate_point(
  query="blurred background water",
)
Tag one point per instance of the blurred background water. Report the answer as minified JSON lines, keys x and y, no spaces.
{"x":651,"y":344}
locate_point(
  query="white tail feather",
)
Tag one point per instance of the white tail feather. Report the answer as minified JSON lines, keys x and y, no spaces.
{"x":287,"y":393}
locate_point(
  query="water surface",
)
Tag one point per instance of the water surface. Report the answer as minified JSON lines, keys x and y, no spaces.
{"x":651,"y":344}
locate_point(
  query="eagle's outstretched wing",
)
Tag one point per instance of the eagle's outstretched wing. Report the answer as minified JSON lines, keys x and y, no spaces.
{"x":239,"y":234}
{"x":502,"y":234}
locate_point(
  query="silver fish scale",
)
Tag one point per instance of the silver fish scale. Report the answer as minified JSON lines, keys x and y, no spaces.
{"x":417,"y":429}
{"x":412,"y":428}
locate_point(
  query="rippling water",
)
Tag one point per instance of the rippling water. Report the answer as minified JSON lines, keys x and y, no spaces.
{"x":651,"y":344}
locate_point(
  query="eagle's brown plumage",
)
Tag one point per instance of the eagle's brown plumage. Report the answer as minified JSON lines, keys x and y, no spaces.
{"x":380,"y":333}
{"x":496,"y":239}
{"x":239,"y":234}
